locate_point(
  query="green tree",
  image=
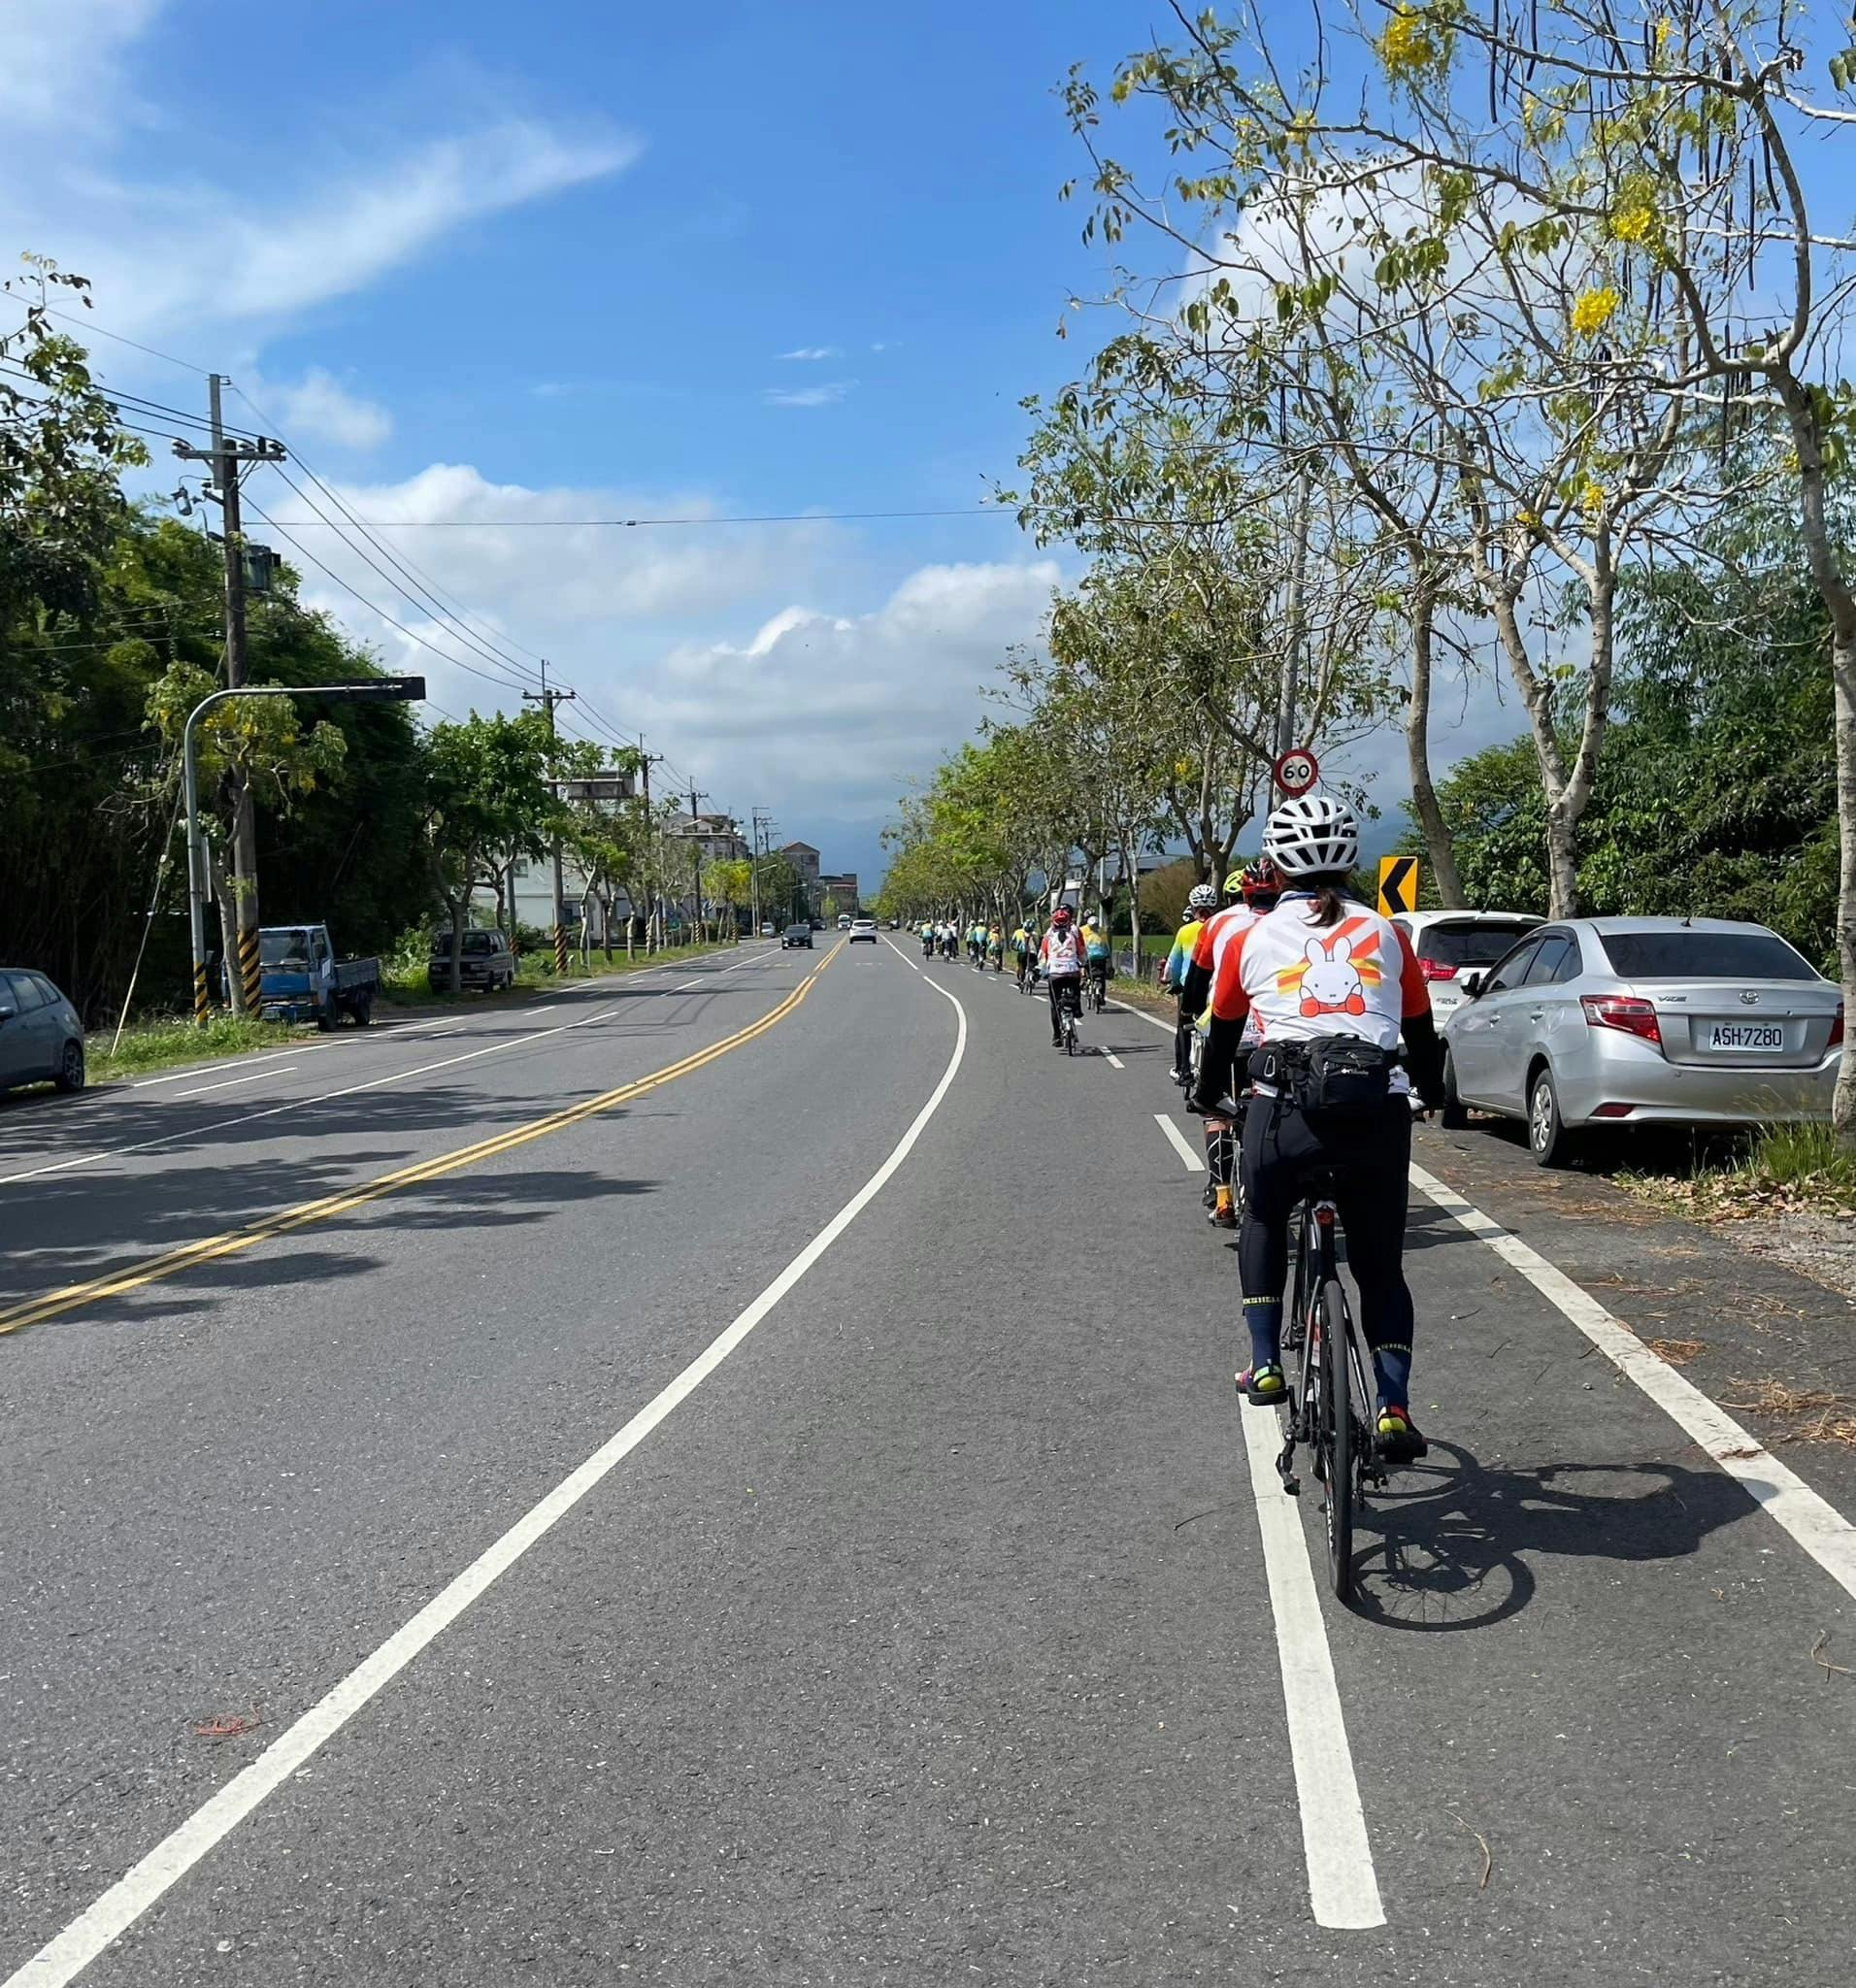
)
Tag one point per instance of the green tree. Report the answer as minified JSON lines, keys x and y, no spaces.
{"x":486,"y":790}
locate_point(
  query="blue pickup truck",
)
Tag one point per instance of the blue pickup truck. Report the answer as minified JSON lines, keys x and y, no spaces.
{"x":301,"y":980}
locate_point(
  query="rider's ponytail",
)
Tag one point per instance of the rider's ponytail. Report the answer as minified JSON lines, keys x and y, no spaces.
{"x":1329,"y":889}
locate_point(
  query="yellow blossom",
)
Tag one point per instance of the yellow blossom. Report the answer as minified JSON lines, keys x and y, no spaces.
{"x":1595,"y":310}
{"x":1414,"y":43}
{"x":1634,"y":225}
{"x":1592,"y":498}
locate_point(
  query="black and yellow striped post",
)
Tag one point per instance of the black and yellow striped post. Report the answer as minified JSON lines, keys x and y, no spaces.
{"x":560,"y":950}
{"x":249,"y":980}
{"x":202,"y":1000}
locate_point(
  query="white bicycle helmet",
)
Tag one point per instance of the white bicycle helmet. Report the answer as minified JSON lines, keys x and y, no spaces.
{"x":1312,"y":834}
{"x":1201,"y":898}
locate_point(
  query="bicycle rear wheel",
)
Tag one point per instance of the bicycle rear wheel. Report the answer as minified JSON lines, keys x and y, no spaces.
{"x":1337,"y":1438}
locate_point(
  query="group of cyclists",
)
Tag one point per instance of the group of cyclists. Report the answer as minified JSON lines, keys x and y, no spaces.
{"x":1303,"y":1029}
{"x":1068,"y":957}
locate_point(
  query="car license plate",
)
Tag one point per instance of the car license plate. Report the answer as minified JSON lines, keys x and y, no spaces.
{"x":1746,"y":1035}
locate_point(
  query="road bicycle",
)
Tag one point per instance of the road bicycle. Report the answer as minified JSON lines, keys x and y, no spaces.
{"x":1096,"y":990}
{"x":1330,"y":1406}
{"x":1067,"y":1014}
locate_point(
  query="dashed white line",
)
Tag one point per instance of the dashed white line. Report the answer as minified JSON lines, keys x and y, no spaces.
{"x":1814,"y":1522}
{"x":298,"y":1104}
{"x":1196,"y":1161}
{"x":65,"y":1956}
{"x":1114,"y":1059}
{"x":226,"y":1084}
{"x":1343,"y":1889}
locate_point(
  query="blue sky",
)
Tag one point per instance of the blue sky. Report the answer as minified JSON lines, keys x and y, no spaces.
{"x":519,"y":263}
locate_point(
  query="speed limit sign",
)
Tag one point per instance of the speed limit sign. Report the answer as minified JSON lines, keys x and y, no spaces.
{"x":1296,"y":771}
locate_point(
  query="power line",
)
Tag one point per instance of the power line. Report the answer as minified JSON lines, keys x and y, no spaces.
{"x":416,"y":596}
{"x":458,"y":613}
{"x":444,"y":655}
{"x":115,"y":337}
{"x":563,"y":524}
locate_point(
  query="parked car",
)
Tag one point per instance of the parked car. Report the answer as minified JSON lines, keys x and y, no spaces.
{"x":796,"y":935}
{"x":862,"y":929}
{"x":299,"y":978}
{"x":487,"y":961}
{"x":1450,"y":945}
{"x":1679,"y":1021}
{"x":767,"y":931}
{"x":41,"y":1037}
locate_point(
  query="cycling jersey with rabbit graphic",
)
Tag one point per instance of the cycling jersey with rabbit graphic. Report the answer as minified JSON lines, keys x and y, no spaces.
{"x":1295,"y":980}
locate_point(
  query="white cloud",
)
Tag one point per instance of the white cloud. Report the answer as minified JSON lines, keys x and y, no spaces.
{"x":188,"y":253}
{"x":319,"y":408}
{"x":813,"y":353}
{"x":117,"y":185}
{"x":538,"y":563}
{"x":825,"y":395}
{"x":58,"y":60}
{"x":828,"y":715}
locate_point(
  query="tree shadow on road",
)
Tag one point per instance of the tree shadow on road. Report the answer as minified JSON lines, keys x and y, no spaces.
{"x":1458,"y":1543}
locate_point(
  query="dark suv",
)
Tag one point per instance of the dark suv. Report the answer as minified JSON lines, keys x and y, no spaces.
{"x":487,"y":962}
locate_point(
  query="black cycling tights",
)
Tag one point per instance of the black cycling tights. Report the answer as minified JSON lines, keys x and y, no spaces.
{"x":1371,"y":1156}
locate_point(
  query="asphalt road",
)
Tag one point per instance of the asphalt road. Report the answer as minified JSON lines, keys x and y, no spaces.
{"x":847,"y":1561}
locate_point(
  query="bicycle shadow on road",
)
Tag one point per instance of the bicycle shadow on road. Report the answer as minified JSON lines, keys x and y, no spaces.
{"x":1459,"y":1541}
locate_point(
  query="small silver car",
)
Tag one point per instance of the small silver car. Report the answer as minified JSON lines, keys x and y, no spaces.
{"x":1606,"y":1021}
{"x":41,"y":1037}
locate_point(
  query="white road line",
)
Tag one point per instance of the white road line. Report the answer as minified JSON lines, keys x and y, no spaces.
{"x":1153,"y":1021}
{"x":1343,"y":1890}
{"x":385,"y":1031}
{"x":62,"y":1959}
{"x":1114,"y":1059}
{"x":142,"y":1145}
{"x":1814,"y":1522}
{"x":1180,"y":1145}
{"x":226,"y":1084}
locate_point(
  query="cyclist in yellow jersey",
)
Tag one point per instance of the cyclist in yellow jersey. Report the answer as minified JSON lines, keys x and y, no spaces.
{"x":1201,"y":902}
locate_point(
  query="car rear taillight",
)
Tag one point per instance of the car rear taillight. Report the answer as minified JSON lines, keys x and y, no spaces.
{"x":1612,"y":1110}
{"x":1623,"y":1012}
{"x":1436,"y":969}
{"x":1836,"y":1032}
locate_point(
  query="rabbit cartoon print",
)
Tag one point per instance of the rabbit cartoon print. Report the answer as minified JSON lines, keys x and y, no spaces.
{"x":1332,"y":981}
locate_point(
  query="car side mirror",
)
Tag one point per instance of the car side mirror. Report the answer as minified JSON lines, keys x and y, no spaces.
{"x":7,"y":1010}
{"x":1473,"y":985}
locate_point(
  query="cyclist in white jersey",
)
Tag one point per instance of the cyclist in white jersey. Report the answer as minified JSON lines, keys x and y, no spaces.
{"x":1330,"y":984}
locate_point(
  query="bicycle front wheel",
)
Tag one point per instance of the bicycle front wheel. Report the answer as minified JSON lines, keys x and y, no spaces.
{"x":1337,"y":1438}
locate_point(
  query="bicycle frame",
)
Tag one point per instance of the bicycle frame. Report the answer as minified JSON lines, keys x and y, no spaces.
{"x":1331,"y":1368}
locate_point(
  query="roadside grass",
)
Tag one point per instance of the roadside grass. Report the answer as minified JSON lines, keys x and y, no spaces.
{"x":1775,"y":1171}
{"x":165,"y":1044}
{"x":406,"y":983}
{"x":162,"y":1045}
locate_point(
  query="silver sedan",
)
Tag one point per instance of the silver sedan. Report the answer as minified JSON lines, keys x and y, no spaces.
{"x":1608,"y":1021}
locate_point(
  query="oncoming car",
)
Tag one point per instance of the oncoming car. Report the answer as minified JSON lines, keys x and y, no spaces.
{"x":862,"y":929}
{"x":796,"y":935}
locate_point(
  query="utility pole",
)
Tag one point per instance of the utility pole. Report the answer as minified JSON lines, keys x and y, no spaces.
{"x":225,"y":459}
{"x":696,"y":857}
{"x":763,"y":824}
{"x":653,"y":935}
{"x":547,"y":699}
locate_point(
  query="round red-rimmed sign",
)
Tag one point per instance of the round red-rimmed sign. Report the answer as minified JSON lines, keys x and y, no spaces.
{"x":1297,"y":771}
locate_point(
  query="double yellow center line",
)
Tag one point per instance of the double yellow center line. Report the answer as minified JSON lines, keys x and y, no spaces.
{"x":210,"y":1248}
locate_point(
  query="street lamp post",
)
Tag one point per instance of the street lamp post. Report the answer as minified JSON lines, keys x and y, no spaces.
{"x":394,"y":689}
